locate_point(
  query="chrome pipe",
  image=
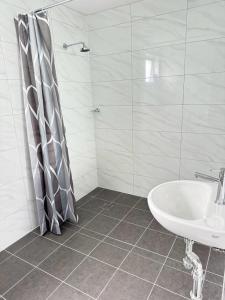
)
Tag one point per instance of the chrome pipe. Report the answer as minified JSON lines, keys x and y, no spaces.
{"x":206,"y":177}
{"x":51,"y":6}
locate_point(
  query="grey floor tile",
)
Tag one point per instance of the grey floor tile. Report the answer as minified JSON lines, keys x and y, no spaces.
{"x":108,"y":195}
{"x":142,"y":267}
{"x":175,"y":281}
{"x":91,"y":276}
{"x":178,"y":251}
{"x":36,"y":286}
{"x":116,"y":211}
{"x":102,"y":224}
{"x":142,"y":204}
{"x":3,"y":255}
{"x":211,"y":291}
{"x":66,"y":234}
{"x":12,"y":270}
{"x":157,"y":242}
{"x":176,"y":265}
{"x":124,"y":286}
{"x":85,"y":216}
{"x":216,"y":262}
{"x":82,"y":243}
{"x":82,"y":201}
{"x":127,"y":199}
{"x":127,"y":232}
{"x":21,"y":242}
{"x":161,"y":294}
{"x":62,"y":262}
{"x":65,"y":292}
{"x":95,"y":204}
{"x":139,"y":217}
{"x":37,"y":250}
{"x":96,"y":191}
{"x":156,"y":226}
{"x":109,"y":254}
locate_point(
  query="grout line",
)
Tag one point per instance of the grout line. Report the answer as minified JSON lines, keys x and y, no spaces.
{"x":183,"y":96}
{"x":148,"y":298}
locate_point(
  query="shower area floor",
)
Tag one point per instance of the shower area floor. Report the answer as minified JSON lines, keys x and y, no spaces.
{"x":117,"y":252}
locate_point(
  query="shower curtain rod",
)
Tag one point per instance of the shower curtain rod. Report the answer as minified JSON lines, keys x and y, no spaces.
{"x":52,"y":5}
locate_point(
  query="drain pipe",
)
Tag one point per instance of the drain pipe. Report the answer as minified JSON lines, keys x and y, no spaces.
{"x":192,"y":261}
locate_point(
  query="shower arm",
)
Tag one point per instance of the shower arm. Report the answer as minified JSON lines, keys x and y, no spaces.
{"x":69,"y":45}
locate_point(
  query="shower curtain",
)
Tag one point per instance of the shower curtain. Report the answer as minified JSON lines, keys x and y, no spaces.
{"x":48,"y":151}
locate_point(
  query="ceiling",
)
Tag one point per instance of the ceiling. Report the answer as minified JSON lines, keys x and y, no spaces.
{"x":87,"y":7}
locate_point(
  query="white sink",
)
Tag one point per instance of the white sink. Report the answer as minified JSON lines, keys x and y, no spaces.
{"x":187,"y":209}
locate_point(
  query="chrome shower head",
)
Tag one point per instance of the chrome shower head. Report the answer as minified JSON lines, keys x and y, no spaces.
{"x":83,"y":49}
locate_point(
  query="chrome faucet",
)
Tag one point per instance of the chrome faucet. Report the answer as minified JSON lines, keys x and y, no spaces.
{"x":220,"y":196}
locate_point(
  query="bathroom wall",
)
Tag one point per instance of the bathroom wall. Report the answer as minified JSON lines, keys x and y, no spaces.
{"x":17,"y":206}
{"x":159,"y":80}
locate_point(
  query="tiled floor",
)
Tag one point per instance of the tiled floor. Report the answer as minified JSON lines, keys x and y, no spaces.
{"x":118,"y":252}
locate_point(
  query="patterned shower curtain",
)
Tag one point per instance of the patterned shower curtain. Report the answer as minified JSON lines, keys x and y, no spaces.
{"x":49,"y":158}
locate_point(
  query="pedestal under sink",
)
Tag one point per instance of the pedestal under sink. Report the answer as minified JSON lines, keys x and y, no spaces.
{"x":187,"y":209}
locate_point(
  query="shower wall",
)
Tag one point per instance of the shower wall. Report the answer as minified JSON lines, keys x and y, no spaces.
{"x":17,"y":205}
{"x":158,"y":77}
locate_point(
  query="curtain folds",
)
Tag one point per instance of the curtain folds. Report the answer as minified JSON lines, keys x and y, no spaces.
{"x":49,"y":158}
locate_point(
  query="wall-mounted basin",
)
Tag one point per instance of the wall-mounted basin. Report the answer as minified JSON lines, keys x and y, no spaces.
{"x":187,"y":209}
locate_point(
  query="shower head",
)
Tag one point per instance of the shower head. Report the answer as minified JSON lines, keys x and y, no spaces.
{"x":83,"y":49}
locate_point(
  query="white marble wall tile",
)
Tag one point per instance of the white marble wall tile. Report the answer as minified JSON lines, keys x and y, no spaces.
{"x":110,"y":40}
{"x":112,"y":93}
{"x":162,"y":61}
{"x":206,"y":147}
{"x":86,"y":145}
{"x":205,"y":89}
{"x":144,"y":184}
{"x":5,"y":99}
{"x":20,"y":221}
{"x":81,"y":165}
{"x":198,"y":60}
{"x":158,"y":31}
{"x":109,"y":17}
{"x":194,"y":3}
{"x":10,"y":53}
{"x":114,"y":140}
{"x":72,"y":67}
{"x":12,"y":197}
{"x":7,"y":133}
{"x":158,"y":91}
{"x":117,"y":181}
{"x":7,"y":27}
{"x":149,"y":8}
{"x":115,"y":161}
{"x":210,"y":17}
{"x":16,"y":96}
{"x":114,"y":117}
{"x":78,"y":120}
{"x":157,"y":118}
{"x":10,"y":163}
{"x":204,"y":119}
{"x":189,"y":167}
{"x":85,"y":184}
{"x":74,"y":94}
{"x":67,"y":15}
{"x":164,"y":168}
{"x":2,"y":64}
{"x":111,"y":67}
{"x":157,"y":143}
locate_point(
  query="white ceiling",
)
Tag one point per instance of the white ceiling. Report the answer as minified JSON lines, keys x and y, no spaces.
{"x":87,"y":7}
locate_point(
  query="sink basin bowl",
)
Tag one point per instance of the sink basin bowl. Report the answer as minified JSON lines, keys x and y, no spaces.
{"x":187,"y":209}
